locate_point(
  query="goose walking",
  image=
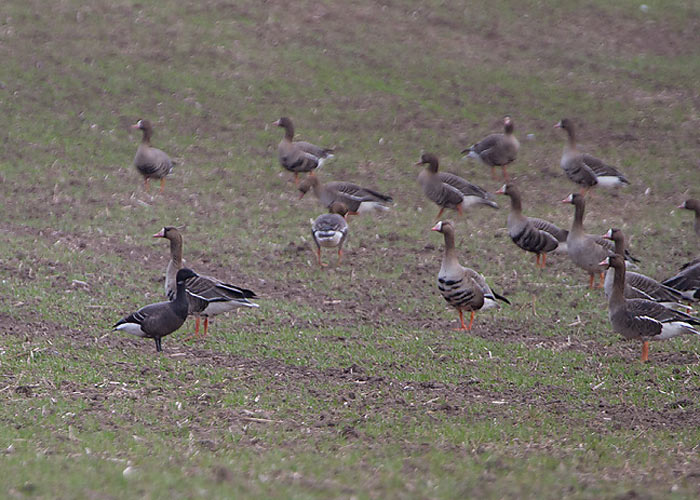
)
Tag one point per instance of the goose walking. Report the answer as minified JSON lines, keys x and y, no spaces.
{"x":449,"y":190}
{"x":462,"y":288}
{"x":524,"y":232}
{"x":155,"y":321}
{"x":299,"y":156}
{"x":151,"y":163}
{"x":496,"y":150}
{"x":356,"y":199}
{"x":693,"y":205}
{"x":206,"y":296}
{"x":639,"y":286}
{"x":330,"y":230}
{"x":639,"y":319}
{"x":583,"y":169}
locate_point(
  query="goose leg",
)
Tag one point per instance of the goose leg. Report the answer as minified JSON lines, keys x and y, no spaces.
{"x":340,"y":255}
{"x":584,"y":190}
{"x":296,"y":179}
{"x":206,"y":325}
{"x":591,"y":278}
{"x":471,"y":322}
{"x":537,"y":260}
{"x":505,"y":173}
{"x":437,"y":218}
{"x":158,"y":346}
{"x":145,"y":184}
{"x":601,"y":283}
{"x":544,"y":259}
{"x":162,"y":185}
{"x":461,"y":321}
{"x":645,"y":351}
{"x":459,"y":209}
{"x":196,"y":330}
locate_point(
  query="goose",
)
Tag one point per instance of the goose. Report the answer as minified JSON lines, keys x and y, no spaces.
{"x":687,"y":281}
{"x":357,"y":199}
{"x":640,"y":319}
{"x":330,"y":230}
{"x":207,"y":296}
{"x":638,"y":286}
{"x":496,"y":150}
{"x":462,"y":288}
{"x":155,"y":321}
{"x":524,"y":233}
{"x":299,"y":156}
{"x":152,"y":163}
{"x":694,"y":205}
{"x":449,"y":190}
{"x":586,"y":250}
{"x":583,"y":169}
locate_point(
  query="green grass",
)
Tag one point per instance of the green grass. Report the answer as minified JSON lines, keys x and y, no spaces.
{"x":347,"y":382}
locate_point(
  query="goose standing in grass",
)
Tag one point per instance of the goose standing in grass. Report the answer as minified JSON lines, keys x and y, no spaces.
{"x":330,"y":230}
{"x":206,"y":296}
{"x":356,"y":199}
{"x":155,"y":321}
{"x":687,"y":281}
{"x":496,"y":150}
{"x":585,"y":250}
{"x":694,"y":205}
{"x":462,"y":288}
{"x":583,"y":169}
{"x":640,"y":319}
{"x":449,"y":190}
{"x":299,"y":156}
{"x":639,"y":286}
{"x":524,"y":233}
{"x":152,"y":163}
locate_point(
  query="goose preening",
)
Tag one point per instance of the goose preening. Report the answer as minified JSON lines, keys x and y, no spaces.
{"x":586,"y":250}
{"x":152,"y":163}
{"x":524,"y":232}
{"x":639,"y":286}
{"x":640,"y":319}
{"x":356,"y":199}
{"x":206,"y":296}
{"x":449,"y":190}
{"x":583,"y":169}
{"x":299,"y":156}
{"x":155,"y":321}
{"x":330,"y":230}
{"x":462,"y":288}
{"x":694,"y":205}
{"x":687,"y":281}
{"x":496,"y":150}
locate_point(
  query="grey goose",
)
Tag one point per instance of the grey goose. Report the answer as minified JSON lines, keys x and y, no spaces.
{"x":299,"y":156}
{"x":151,"y":163}
{"x":693,"y":205}
{"x":330,"y":230}
{"x":356,"y":198}
{"x":496,"y":150}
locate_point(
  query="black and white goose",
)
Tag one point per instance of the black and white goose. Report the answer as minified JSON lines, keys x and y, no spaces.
{"x":155,"y":321}
{"x":586,"y":170}
{"x":207,"y":296}
{"x":639,"y":319}
{"x":637,"y":285}
{"x":462,"y":288}
{"x":523,"y":230}
{"x":330,"y":230}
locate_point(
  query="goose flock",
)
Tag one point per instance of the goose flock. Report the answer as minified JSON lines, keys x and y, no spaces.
{"x":640,"y":307}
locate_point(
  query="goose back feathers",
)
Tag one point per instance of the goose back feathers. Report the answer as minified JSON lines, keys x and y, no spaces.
{"x":356,"y":199}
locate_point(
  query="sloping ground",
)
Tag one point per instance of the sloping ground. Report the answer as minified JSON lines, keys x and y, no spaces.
{"x":346,"y":382}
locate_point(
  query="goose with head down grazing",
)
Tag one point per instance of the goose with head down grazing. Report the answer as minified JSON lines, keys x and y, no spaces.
{"x":496,"y":150}
{"x":449,"y":190}
{"x":524,"y":232}
{"x":687,"y":281}
{"x":693,"y":205}
{"x":585,"y":170}
{"x":299,"y":156}
{"x":206,"y":296}
{"x":155,"y":321}
{"x":639,"y":286}
{"x":330,"y":230}
{"x":640,"y":319}
{"x":151,"y":163}
{"x":462,"y":288}
{"x":356,"y":199}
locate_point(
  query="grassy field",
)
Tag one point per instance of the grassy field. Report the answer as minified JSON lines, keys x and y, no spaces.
{"x":347,"y":382}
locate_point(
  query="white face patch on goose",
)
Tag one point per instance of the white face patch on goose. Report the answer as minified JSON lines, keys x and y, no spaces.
{"x":139,"y":123}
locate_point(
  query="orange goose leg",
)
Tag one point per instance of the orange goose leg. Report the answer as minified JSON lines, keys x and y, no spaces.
{"x":340,"y":255}
{"x":537,"y":260}
{"x":196,"y":330}
{"x":162,"y":185}
{"x":145,"y":184}
{"x":318,"y":253}
{"x":459,"y":209}
{"x":645,"y":351}
{"x":601,"y":283}
{"x":461,"y":321}
{"x":505,"y":173}
{"x":439,"y":214}
{"x":591,"y":278}
{"x":471,"y":322}
{"x":206,"y":325}
{"x":296,"y":178}
{"x":544,"y":259}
